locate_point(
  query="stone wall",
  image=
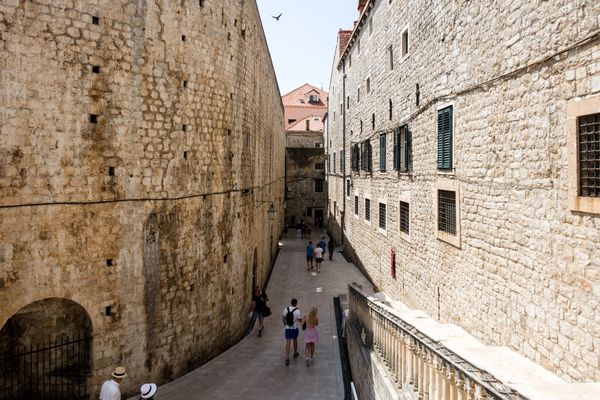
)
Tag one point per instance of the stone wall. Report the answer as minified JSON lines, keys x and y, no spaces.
{"x":524,"y":269}
{"x":137,"y":138}
{"x":301,"y":189}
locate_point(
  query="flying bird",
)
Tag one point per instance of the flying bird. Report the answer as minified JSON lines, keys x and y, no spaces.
{"x":277,"y":17}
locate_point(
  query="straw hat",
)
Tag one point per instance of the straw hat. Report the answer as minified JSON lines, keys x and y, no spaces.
{"x":119,"y":372}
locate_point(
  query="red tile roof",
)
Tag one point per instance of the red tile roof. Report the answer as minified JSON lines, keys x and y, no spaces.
{"x":343,"y":39}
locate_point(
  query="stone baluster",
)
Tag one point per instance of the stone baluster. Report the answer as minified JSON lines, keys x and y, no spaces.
{"x":401,"y":360}
{"x":421,"y":379}
{"x":409,"y":361}
{"x":425,"y":383}
{"x":431,"y":377}
{"x":470,"y":389}
{"x":480,"y":393}
{"x":449,"y":382}
{"x":438,"y":380}
{"x":460,"y":386}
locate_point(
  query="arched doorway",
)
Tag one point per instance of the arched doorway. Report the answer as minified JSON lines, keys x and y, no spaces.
{"x":45,"y":352}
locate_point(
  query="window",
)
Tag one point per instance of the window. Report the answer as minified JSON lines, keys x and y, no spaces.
{"x":390,"y":52}
{"x":373,"y":121}
{"x":347,"y":102}
{"x":355,"y":205}
{"x":358,"y":95}
{"x":402,"y":149}
{"x":368,"y":209}
{"x":342,"y":161}
{"x":588,"y":127}
{"x":348,"y":187}
{"x":365,"y":156}
{"x":382,"y":152}
{"x":390,"y":107}
{"x":404,"y":42}
{"x":308,"y":125}
{"x":447,"y":212}
{"x":313,"y":98}
{"x":382,"y":213}
{"x":334,"y":163}
{"x":371,"y":26}
{"x":319,"y":166}
{"x":319,"y":185}
{"x":318,"y":144}
{"x":404,"y":217}
{"x":368,"y":85}
{"x":350,"y":60}
{"x":291,"y":120}
{"x":358,"y":47}
{"x":445,"y":138}
{"x":355,"y":157}
{"x":328,"y":162}
{"x":361,"y":130}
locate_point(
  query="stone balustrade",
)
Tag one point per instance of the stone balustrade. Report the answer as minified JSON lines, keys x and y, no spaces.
{"x":420,"y":367}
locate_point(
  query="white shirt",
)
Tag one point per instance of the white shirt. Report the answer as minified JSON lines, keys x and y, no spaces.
{"x":318,"y":252}
{"x":297,"y":317}
{"x":110,"y":391}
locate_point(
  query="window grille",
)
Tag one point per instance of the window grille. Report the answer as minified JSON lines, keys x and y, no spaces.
{"x":319,"y":185}
{"x":368,"y":209}
{"x":589,"y":155}
{"x":404,"y":217}
{"x":447,"y":211}
{"x":445,"y":138}
{"x":382,"y":213}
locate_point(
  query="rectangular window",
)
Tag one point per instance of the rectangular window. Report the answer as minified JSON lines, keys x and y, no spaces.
{"x":402,"y":149}
{"x":391,"y":109}
{"x":589,"y":155}
{"x":365,"y":156}
{"x":445,"y":138}
{"x":358,"y":95}
{"x":391,"y":57}
{"x":404,"y":217}
{"x":382,"y":214}
{"x":328,"y":163}
{"x":319,"y":185}
{"x":354,"y":157}
{"x":368,"y":85}
{"x":373,"y":121}
{"x":334,"y":163}
{"x":382,"y":150}
{"x":347,"y":102}
{"x":319,"y":166}
{"x":342,"y":161}
{"x":447,"y":211}
{"x":368,"y":209}
{"x":347,"y":187}
{"x":355,"y":205}
{"x":404,"y":43}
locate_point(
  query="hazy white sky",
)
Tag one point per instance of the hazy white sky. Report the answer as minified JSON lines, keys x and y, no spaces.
{"x":302,"y":42}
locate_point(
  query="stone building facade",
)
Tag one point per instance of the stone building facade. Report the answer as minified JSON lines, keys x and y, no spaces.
{"x":138,"y":143}
{"x":306,"y":193}
{"x":464,"y":182}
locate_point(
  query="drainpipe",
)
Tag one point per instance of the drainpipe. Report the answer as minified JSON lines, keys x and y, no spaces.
{"x":343,"y":151}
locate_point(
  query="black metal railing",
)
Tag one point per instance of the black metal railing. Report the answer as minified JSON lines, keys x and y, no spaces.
{"x":47,"y":371}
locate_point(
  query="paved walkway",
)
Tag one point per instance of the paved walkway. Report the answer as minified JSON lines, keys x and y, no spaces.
{"x":254,"y":368}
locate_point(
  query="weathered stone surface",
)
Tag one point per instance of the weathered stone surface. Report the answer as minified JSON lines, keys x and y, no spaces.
{"x":189,"y":124}
{"x":526,"y":270}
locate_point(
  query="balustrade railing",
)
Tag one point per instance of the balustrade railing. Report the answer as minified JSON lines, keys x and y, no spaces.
{"x":416,"y":362}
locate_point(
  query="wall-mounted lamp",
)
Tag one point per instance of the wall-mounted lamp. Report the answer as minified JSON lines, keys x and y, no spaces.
{"x":271,"y":210}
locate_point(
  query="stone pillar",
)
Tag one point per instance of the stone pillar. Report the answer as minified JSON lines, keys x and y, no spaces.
{"x":431,"y":378}
{"x":460,"y":387}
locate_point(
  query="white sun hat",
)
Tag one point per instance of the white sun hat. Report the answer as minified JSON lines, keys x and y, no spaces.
{"x":147,"y":390}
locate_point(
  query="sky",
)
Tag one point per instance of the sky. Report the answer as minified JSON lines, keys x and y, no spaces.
{"x":303,"y":41}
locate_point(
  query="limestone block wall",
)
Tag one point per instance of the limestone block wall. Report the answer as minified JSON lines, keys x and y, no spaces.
{"x":135,"y":141}
{"x":526,"y":269}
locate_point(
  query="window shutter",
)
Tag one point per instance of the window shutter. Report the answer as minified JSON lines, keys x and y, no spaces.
{"x":396,"y":149}
{"x":382,"y":152}
{"x":369,"y":156}
{"x":408,"y":149}
{"x":445,"y":138}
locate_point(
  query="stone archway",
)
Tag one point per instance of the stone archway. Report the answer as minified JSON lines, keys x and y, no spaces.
{"x":45,"y":352}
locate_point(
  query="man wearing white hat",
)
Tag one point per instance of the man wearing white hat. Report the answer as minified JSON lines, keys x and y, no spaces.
{"x":110,"y":389}
{"x":147,"y":390}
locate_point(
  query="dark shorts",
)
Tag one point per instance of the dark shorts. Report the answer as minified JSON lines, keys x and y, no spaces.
{"x":318,"y":260}
{"x":309,"y":258}
{"x":291,"y":333}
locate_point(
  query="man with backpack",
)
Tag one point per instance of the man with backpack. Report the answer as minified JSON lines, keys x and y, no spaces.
{"x":291,"y":317}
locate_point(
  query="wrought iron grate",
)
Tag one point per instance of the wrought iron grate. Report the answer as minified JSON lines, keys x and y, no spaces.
{"x":404,"y":217}
{"x":447,"y":211}
{"x":589,"y":155}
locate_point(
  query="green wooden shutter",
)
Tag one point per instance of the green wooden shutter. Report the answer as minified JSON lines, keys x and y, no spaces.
{"x":369,"y":156}
{"x":396,"y":149}
{"x":408,"y":149}
{"x":445,"y":138}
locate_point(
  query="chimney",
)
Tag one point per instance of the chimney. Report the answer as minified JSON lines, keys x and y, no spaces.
{"x":361,"y":6}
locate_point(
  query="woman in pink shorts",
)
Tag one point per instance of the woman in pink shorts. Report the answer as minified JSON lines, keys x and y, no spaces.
{"x":311,"y":335}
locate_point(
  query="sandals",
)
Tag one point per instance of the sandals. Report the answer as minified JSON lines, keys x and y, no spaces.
{"x":287,"y":361}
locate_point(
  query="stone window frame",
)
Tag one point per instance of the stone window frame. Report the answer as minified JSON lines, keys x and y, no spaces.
{"x":575,"y":110}
{"x":451,"y":171}
{"x":367,"y":196}
{"x":453,"y":186}
{"x":405,"y":197}
{"x":404,"y":30}
{"x":379,"y":228}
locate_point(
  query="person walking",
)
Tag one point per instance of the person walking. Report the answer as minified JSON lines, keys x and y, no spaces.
{"x":330,"y":247}
{"x":311,"y":335}
{"x":291,"y":317}
{"x":318,"y":258}
{"x":322,"y":244}
{"x":110,"y":389}
{"x":259,"y":306}
{"x":148,"y":390}
{"x":309,"y":256}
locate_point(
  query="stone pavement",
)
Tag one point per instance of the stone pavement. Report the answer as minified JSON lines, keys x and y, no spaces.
{"x":254,"y":368}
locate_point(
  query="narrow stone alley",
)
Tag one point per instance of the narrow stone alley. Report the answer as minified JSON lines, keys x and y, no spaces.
{"x":254,"y":368}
